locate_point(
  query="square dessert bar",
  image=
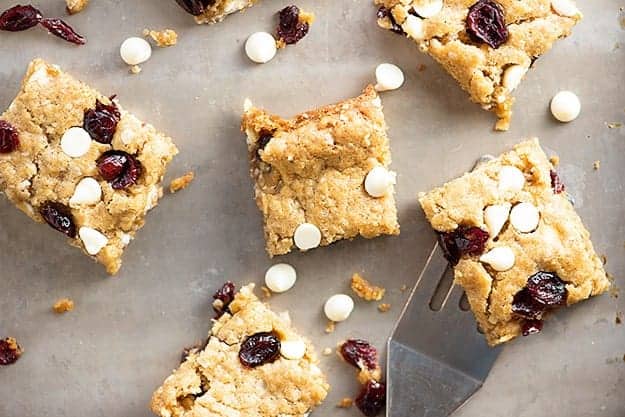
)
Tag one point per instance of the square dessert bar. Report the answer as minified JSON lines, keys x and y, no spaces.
{"x":486,"y":45}
{"x":322,"y":176}
{"x":75,"y":159}
{"x":518,"y":247}
{"x":254,"y":364}
{"x":217,"y":10}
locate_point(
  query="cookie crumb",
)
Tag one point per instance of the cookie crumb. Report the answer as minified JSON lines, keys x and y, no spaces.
{"x":384,"y":307}
{"x":619,"y":317}
{"x":63,"y":305}
{"x":181,"y":183}
{"x":266,"y":292}
{"x":327,"y":351}
{"x":345,"y":403}
{"x":365,"y":290}
{"x":421,"y":67}
{"x":75,"y":6}
{"x":135,"y":69}
{"x":614,"y":125}
{"x":163,"y":38}
{"x":10,"y":351}
{"x":604,"y":259}
{"x":555,"y":160}
{"x":330,"y":327}
{"x":596,"y":165}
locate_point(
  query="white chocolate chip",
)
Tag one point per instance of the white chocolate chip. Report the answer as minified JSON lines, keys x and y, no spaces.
{"x":307,"y":236}
{"x":379,"y":181}
{"x":524,"y":217}
{"x":280,"y":277}
{"x":260,"y":47}
{"x":135,"y":51}
{"x":565,"y":106}
{"x":293,"y":349}
{"x":388,"y":77}
{"x":564,"y":8}
{"x":428,"y":8}
{"x":500,"y":258}
{"x":87,"y":191}
{"x":125,"y":239}
{"x":495,"y":217}
{"x":338,"y":307}
{"x":511,"y":179}
{"x":512,"y":76}
{"x":413,"y":26}
{"x":93,"y":240}
{"x":75,"y":142}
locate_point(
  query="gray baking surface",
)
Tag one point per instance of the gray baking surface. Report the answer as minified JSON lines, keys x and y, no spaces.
{"x":126,"y":333}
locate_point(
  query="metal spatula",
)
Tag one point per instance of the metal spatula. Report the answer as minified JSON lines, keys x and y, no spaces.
{"x":436,"y":359}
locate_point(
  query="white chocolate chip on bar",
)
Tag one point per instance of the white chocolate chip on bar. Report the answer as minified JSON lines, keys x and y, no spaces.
{"x":293,"y":349}
{"x":93,"y":240}
{"x":280,"y":277}
{"x":388,"y":77}
{"x":379,"y":181}
{"x":75,"y":142}
{"x":511,"y":179}
{"x":428,"y":8}
{"x":338,"y":307}
{"x":495,"y":217}
{"x":413,"y":26}
{"x":87,"y":191}
{"x":565,"y":106}
{"x":260,"y":47}
{"x":512,"y":76}
{"x":524,"y":217}
{"x":135,"y":51}
{"x":307,"y":236}
{"x":500,"y":258}
{"x":564,"y":8}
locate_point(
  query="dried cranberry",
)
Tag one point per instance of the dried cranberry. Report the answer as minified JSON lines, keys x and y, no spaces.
{"x":223,"y":297}
{"x":547,"y":288}
{"x":195,"y":7}
{"x":360,"y":353}
{"x":119,"y":168}
{"x":372,"y":398}
{"x":464,"y":241}
{"x":486,"y":23}
{"x":101,"y":122}
{"x":19,"y":18}
{"x":556,"y":183}
{"x":524,"y":305}
{"x":10,"y":351}
{"x":59,"y":28}
{"x":259,"y":349}
{"x":383,"y":12}
{"x":529,"y":327}
{"x":9,"y":138}
{"x":290,"y":29}
{"x":59,"y":216}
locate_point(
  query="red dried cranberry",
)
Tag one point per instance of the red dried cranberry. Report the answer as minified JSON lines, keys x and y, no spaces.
{"x":10,"y":351}
{"x":360,"y":353}
{"x":223,"y":297}
{"x":372,"y":398}
{"x":529,"y":327}
{"x":19,"y":18}
{"x":547,"y":288}
{"x":524,"y":305}
{"x":59,"y":28}
{"x":259,"y":349}
{"x":556,"y":183}
{"x":290,"y":29}
{"x":486,"y":23}
{"x":101,"y":122}
{"x":195,"y":7}
{"x":464,"y":241}
{"x":59,"y":216}
{"x":9,"y":138}
{"x":383,"y":12}
{"x":119,"y":168}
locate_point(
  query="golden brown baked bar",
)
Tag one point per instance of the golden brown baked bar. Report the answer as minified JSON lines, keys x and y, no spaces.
{"x":311,"y":170}
{"x":488,"y":66}
{"x":232,"y":377}
{"x":75,"y":159}
{"x":519,"y":248}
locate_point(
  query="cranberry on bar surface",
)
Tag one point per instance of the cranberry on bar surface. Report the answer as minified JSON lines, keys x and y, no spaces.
{"x":223,"y":297}
{"x":79,"y":162}
{"x":532,"y":255}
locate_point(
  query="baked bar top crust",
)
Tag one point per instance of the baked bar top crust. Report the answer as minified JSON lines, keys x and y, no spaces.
{"x":213,"y":382}
{"x":219,"y":9}
{"x":489,"y":75}
{"x":38,"y":171}
{"x":559,"y":243}
{"x":311,"y":168}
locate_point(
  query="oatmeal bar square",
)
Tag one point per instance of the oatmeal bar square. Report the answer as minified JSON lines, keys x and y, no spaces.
{"x":310,"y":173}
{"x":77,"y":160}
{"x":518,"y":247}
{"x":486,"y":45}
{"x":253,"y":364}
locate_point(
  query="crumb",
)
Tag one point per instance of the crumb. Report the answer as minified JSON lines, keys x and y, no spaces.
{"x":135,"y":69}
{"x":555,"y":160}
{"x":280,"y":44}
{"x":345,"y":403}
{"x":306,"y":17}
{"x":596,"y":165}
{"x":619,"y":317}
{"x":403,"y":288}
{"x":365,"y":290}
{"x":614,"y":125}
{"x":384,"y":307}
{"x":327,"y":351}
{"x":604,"y":259}
{"x":181,"y":183}
{"x":10,"y":351}
{"x":266,"y":292}
{"x":63,"y":305}
{"x":421,"y":67}
{"x":163,"y":38}
{"x":330,"y":326}
{"x":75,"y":6}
